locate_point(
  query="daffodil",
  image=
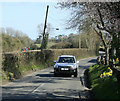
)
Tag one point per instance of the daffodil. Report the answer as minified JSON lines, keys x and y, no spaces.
{"x":113,"y":61}
{"x":104,"y":74}
{"x":117,"y":60}
{"x":108,"y":67}
{"x":109,"y":74}
{"x":111,"y":71}
{"x":101,"y":75}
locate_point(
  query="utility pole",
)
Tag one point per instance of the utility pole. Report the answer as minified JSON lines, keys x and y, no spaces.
{"x":79,"y":43}
{"x":44,"y":28}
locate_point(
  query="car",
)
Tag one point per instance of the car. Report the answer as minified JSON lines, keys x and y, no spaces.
{"x":66,"y":64}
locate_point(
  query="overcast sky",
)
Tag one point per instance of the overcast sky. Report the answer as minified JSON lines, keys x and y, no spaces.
{"x":25,"y":16}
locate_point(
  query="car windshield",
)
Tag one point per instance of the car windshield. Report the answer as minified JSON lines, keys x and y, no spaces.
{"x":66,"y":60}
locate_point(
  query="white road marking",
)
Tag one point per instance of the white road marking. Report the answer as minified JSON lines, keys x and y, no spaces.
{"x":37,"y":88}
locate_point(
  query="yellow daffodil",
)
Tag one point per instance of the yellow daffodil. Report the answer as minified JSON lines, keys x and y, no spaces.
{"x":117,"y":60}
{"x":104,"y":74}
{"x":101,"y":75}
{"x":109,"y":74}
{"x":111,"y":71}
{"x":113,"y":60}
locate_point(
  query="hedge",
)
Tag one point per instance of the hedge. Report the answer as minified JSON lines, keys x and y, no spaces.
{"x":18,"y":63}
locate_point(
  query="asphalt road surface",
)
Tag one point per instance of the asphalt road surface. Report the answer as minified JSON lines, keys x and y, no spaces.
{"x":43,"y":85}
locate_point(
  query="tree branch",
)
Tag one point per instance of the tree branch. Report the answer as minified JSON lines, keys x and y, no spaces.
{"x":101,"y":36}
{"x":100,"y":15}
{"x":103,"y":28}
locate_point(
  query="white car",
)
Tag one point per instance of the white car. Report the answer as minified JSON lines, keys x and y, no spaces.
{"x":66,"y":64}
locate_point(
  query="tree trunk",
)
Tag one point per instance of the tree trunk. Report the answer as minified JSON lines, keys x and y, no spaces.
{"x":106,"y":55}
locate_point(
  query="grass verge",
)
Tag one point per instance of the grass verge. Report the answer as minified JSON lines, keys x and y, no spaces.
{"x":23,"y":70}
{"x":103,"y":88}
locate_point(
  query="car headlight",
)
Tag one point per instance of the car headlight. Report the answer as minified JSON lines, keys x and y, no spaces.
{"x":56,"y":66}
{"x":73,"y":67}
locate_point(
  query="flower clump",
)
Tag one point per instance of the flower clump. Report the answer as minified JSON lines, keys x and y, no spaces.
{"x":106,"y":74}
{"x":116,"y":61}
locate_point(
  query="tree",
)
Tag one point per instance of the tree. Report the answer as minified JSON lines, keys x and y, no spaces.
{"x":46,"y":36}
{"x":101,"y":16}
{"x":13,"y":42}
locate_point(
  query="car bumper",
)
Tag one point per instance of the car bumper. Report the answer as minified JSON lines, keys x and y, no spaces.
{"x":70,"y":71}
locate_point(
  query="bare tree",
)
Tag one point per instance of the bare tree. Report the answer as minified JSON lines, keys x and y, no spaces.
{"x":98,"y":15}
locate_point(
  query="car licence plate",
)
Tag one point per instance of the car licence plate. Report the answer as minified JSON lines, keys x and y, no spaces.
{"x":64,"y":69}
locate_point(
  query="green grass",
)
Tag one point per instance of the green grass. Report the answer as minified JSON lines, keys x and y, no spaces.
{"x":107,"y":88}
{"x":22,"y":70}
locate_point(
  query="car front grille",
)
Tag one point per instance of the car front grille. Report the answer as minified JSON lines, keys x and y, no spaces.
{"x":64,"y":67}
{"x":68,"y":67}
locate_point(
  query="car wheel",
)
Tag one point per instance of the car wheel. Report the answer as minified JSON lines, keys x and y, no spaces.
{"x":75,"y":74}
{"x":55,"y":74}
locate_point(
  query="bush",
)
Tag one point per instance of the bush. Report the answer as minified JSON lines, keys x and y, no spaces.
{"x":107,"y":88}
{"x":61,"y":45}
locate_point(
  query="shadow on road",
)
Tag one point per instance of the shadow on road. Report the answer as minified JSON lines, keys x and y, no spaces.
{"x":83,"y":67}
{"x":92,"y":61}
{"x":52,"y":75}
{"x":45,"y":75}
{"x":24,"y":93}
{"x":58,"y":94}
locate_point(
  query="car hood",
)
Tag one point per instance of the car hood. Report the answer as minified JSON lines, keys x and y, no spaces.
{"x":65,"y":64}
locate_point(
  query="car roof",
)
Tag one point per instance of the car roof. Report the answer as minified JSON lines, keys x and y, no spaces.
{"x":66,"y":56}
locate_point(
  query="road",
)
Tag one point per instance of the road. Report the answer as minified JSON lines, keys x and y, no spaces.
{"x":43,"y":85}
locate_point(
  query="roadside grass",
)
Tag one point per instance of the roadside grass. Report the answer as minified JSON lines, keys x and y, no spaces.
{"x":22,"y":71}
{"x":102,"y":89}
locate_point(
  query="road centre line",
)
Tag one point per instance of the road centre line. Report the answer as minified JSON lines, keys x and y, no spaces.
{"x":38,"y":87}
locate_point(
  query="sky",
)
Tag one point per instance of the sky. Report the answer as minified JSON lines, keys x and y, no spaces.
{"x":26,"y":16}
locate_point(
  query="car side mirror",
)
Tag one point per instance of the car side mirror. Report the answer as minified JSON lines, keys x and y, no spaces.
{"x":54,"y":61}
{"x":77,"y":62}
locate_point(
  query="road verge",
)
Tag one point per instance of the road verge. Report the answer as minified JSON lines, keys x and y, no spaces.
{"x":103,"y":87}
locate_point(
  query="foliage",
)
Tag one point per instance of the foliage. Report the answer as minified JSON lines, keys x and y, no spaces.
{"x":107,"y":73}
{"x":61,"y":45}
{"x":14,"y":40}
{"x":103,"y":17}
{"x":116,"y":61}
{"x":107,"y":88}
{"x":44,"y":36}
{"x":45,"y":41}
{"x":21,"y":62}
{"x":11,"y":76}
{"x":90,"y":42}
{"x":84,"y":40}
{"x":35,"y":46}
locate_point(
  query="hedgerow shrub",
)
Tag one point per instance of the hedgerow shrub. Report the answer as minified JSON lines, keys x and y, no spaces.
{"x":20,"y":62}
